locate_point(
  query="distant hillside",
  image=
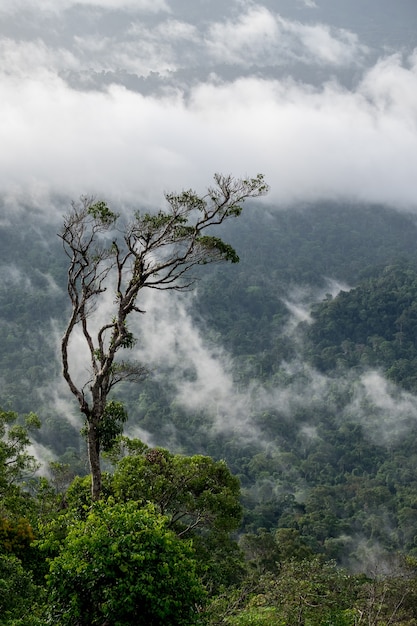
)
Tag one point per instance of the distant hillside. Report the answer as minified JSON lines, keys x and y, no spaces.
{"x":319,"y":439}
{"x":374,"y":325}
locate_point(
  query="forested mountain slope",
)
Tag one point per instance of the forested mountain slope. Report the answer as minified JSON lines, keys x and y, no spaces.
{"x":372,"y":325}
{"x":321,"y":442}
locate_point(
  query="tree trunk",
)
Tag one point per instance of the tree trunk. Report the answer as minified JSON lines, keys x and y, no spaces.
{"x":93,"y":441}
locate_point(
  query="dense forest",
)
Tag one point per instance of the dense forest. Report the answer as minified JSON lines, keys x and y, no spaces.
{"x":286,"y":494}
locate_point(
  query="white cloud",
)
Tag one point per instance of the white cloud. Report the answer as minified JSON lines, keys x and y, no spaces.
{"x":391,"y":86}
{"x":151,"y":6}
{"x":262,"y":37}
{"x":157,"y":49}
{"x":248,"y":38}
{"x":33,"y":60}
{"x":51,"y":6}
{"x":319,"y":43}
{"x":43,"y":456}
{"x":202,"y":374}
{"x":12,"y":276}
{"x":176,"y":30}
{"x":142,"y":50}
{"x":172,"y":349}
{"x":299,"y":312}
{"x":310,"y":143}
{"x":300,"y":298}
{"x":385,"y":411}
{"x":94,"y":45}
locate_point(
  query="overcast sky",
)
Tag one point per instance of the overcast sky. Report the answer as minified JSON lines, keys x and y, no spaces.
{"x":126,"y":99}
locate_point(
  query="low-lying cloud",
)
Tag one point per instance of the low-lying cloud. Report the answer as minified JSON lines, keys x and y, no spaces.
{"x":201,"y":376}
{"x":385,"y":412}
{"x":312,"y":142}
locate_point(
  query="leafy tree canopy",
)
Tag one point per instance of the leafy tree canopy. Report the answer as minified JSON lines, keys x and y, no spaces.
{"x":123,"y":565}
{"x":199,"y":497}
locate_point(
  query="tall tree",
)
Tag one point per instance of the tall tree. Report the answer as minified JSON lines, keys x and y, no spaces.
{"x":156,"y":251}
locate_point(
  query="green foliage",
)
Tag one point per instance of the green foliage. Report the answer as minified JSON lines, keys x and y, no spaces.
{"x":122,"y":565}
{"x":126,"y":341}
{"x":101,"y":212}
{"x":111,"y":425}
{"x":194,"y":492}
{"x":265,"y":551}
{"x":261,"y":551}
{"x":214,"y":243}
{"x":18,"y":594}
{"x":199,"y":497}
{"x":15,"y":536}
{"x":371,"y":325}
{"x":154,"y":222}
{"x":256,"y":616}
{"x":15,"y":461}
{"x":311,"y":592}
